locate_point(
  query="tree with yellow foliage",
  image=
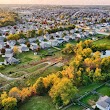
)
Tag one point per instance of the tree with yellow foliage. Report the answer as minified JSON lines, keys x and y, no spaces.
{"x":15,"y":93}
{"x":15,"y":50}
{"x":9,"y":103}
{"x":62,"y":92}
{"x":25,"y":93}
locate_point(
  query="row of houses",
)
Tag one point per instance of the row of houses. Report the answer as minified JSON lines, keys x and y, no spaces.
{"x":46,"y":41}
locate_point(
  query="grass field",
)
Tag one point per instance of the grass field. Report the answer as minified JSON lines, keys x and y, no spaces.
{"x":105,"y":42}
{"x":48,"y":71}
{"x":90,"y":99}
{"x":88,"y":88}
{"x":38,"y":103}
{"x":43,"y":103}
{"x":105,"y":90}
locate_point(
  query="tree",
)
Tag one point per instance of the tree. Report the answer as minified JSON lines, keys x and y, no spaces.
{"x":3,"y":51}
{"x":28,"y":44}
{"x":22,"y":35}
{"x":13,"y":37}
{"x":25,"y":93}
{"x":15,"y":49}
{"x":68,"y":49}
{"x":39,"y":85}
{"x":97,"y":75}
{"x":15,"y":93}
{"x":103,"y":20}
{"x":9,"y":103}
{"x":63,"y":92}
{"x":40,"y":32}
{"x":86,"y":52}
{"x":3,"y":95}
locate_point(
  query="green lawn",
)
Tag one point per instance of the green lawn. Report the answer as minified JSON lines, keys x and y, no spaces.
{"x":99,"y":35}
{"x":48,"y":71}
{"x":90,"y":99}
{"x":25,"y":58}
{"x":75,"y":107}
{"x":105,"y":42}
{"x":1,"y":59}
{"x":43,"y":103}
{"x":38,"y":103}
{"x":105,"y":90}
{"x":88,"y":88}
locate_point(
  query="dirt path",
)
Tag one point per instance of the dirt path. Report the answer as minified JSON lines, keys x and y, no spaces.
{"x":7,"y":78}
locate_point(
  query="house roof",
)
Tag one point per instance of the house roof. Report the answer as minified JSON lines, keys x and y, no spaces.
{"x":104,"y":102}
{"x":12,"y":60}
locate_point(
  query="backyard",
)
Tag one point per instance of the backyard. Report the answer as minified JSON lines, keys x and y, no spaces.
{"x":101,"y":42}
{"x":46,"y":101}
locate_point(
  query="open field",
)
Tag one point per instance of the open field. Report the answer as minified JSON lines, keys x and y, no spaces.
{"x":38,"y":103}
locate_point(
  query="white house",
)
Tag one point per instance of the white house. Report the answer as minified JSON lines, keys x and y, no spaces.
{"x":53,"y":42}
{"x":8,"y":53}
{"x":11,"y":60}
{"x":45,"y":44}
{"x":23,"y":48}
{"x":103,"y":103}
{"x":33,"y":46}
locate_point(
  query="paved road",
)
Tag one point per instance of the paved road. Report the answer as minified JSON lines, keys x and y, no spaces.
{"x":99,"y":32}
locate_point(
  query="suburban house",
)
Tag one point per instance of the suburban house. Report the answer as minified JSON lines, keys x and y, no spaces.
{"x":67,"y":38}
{"x":21,"y":41}
{"x":103,"y":103}
{"x":60,"y":40}
{"x":45,"y":44}
{"x":31,"y":40}
{"x":53,"y":42}
{"x":2,"y":44}
{"x":8,"y":53}
{"x":23,"y":48}
{"x":33,"y":46}
{"x":47,"y":36}
{"x":11,"y":42}
{"x":11,"y":60}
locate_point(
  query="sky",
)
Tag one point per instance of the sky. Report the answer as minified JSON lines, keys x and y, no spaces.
{"x":58,"y":2}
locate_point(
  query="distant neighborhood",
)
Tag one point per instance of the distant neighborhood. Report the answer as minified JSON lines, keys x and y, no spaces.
{"x":54,"y":57}
{"x":31,"y":19}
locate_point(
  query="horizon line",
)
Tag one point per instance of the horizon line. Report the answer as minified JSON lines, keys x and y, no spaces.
{"x":60,"y":4}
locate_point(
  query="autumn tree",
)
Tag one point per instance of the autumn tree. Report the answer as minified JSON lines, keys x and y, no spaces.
{"x":39,"y":85}
{"x":15,"y":49}
{"x":25,"y":93}
{"x":62,"y":92}
{"x":3,"y":51}
{"x":15,"y":93}
{"x":9,"y":103}
{"x":40,"y":32}
{"x":68,"y":49}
